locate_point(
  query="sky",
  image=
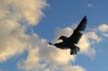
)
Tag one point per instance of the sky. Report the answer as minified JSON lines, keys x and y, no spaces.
{"x":27,"y":26}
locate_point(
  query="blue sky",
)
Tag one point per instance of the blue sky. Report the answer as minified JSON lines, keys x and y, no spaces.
{"x":58,"y":15}
{"x":64,"y":13}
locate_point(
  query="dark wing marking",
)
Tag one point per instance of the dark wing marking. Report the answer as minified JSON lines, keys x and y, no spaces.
{"x":75,"y":37}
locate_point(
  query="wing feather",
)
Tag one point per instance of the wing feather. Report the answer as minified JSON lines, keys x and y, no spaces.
{"x":75,"y":37}
{"x":82,"y":25}
{"x":61,"y":45}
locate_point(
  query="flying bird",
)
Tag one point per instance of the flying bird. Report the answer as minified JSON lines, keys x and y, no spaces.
{"x":70,"y":42}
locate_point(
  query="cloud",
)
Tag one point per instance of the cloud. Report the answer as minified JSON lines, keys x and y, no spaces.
{"x":40,"y":53}
{"x":31,"y":61}
{"x":50,"y":58}
{"x":27,"y":10}
{"x":46,"y":67}
{"x":11,"y":42}
{"x":103,"y":28}
{"x":13,"y":15}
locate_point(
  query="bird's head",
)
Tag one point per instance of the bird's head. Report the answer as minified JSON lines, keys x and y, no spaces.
{"x":62,"y":38}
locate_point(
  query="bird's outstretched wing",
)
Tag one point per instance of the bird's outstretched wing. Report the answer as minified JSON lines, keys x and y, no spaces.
{"x":75,"y":37}
{"x":82,"y":25}
{"x":61,"y":45}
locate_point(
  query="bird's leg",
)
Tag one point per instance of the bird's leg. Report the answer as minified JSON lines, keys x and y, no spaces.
{"x":74,"y":50}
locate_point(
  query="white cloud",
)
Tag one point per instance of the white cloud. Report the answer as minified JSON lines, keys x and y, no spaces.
{"x":47,"y":67}
{"x":103,"y":28}
{"x":40,"y":51}
{"x":93,"y":36}
{"x":31,"y":60}
{"x":88,"y":39}
{"x":11,"y":42}
{"x":13,"y":39}
{"x":28,"y":10}
{"x":53,"y":58}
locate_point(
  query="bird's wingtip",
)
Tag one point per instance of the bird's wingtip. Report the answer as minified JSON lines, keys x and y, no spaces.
{"x":85,"y":17}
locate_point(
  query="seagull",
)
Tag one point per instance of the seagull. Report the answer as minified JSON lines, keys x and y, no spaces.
{"x":71,"y":41}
